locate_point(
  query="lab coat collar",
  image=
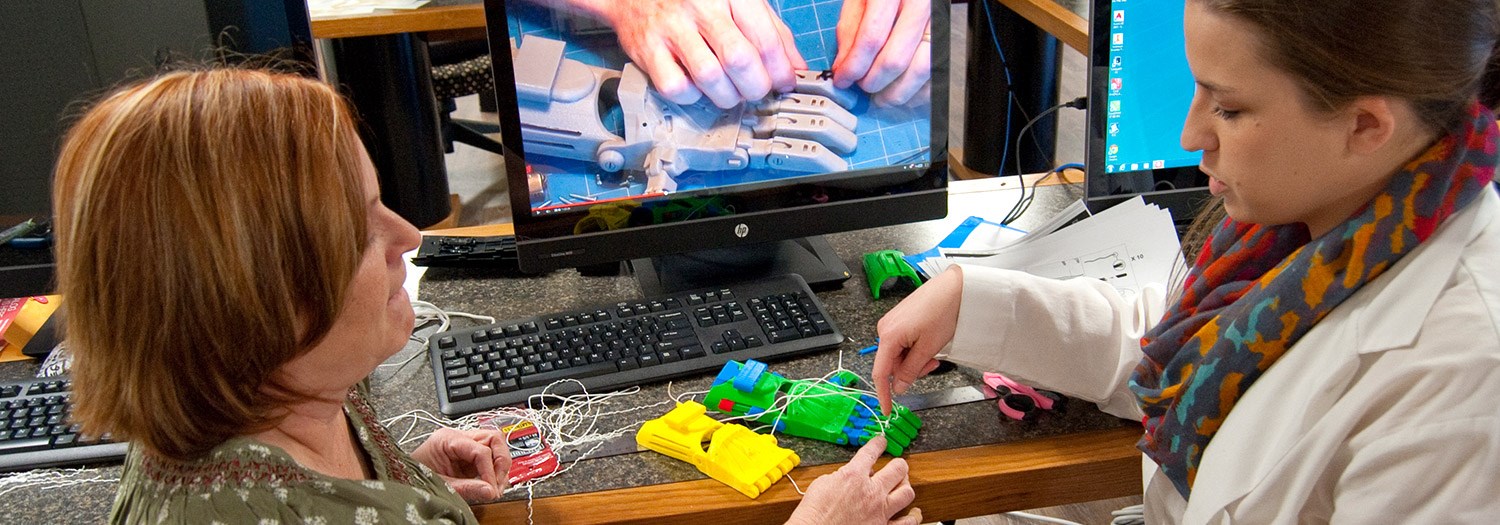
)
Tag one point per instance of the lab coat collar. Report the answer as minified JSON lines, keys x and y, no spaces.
{"x":1387,"y":322}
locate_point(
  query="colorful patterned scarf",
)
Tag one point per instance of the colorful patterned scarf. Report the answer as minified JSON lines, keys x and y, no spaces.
{"x":1256,"y":290}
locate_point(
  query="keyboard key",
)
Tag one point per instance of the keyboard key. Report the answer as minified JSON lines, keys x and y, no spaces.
{"x":784,"y":335}
{"x":485,"y":389}
{"x":692,"y":352}
{"x":579,"y":372}
{"x":30,"y":444}
{"x":647,"y":360}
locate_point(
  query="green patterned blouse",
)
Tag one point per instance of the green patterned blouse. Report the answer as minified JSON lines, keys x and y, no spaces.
{"x":245,"y":481}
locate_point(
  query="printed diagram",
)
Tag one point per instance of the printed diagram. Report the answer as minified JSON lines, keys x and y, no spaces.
{"x":1112,"y":265}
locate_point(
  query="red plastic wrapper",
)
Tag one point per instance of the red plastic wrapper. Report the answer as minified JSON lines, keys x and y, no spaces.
{"x":530,"y":455}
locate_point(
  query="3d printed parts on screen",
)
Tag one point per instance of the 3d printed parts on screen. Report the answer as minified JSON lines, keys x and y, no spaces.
{"x":565,"y":105}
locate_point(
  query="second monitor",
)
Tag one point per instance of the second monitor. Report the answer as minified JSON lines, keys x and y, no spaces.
{"x":603,"y":167}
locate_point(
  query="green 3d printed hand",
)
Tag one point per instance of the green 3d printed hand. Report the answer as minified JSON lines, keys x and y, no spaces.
{"x":736,"y":456}
{"x":829,"y":411}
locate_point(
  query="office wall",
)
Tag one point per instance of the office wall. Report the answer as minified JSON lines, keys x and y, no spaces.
{"x":53,"y":52}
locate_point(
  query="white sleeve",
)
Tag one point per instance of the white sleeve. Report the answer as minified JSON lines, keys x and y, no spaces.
{"x":1079,"y":337}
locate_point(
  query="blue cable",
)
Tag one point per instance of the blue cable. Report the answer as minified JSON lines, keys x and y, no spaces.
{"x":1010,"y":89}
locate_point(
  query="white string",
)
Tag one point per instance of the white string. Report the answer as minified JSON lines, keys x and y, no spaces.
{"x":48,"y":479}
{"x":795,"y":486}
{"x":425,"y":314}
{"x":572,"y":424}
{"x":780,"y":404}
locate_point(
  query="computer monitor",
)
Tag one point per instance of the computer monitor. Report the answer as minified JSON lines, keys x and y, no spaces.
{"x":601,"y":169}
{"x":1140,"y":88}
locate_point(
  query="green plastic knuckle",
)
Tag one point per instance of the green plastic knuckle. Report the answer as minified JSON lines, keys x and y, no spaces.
{"x":887,"y":269}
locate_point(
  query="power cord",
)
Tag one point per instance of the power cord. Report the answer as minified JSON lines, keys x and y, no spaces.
{"x":426,"y":314}
{"x":1010,"y":92}
{"x":1025,"y":201}
{"x":1132,"y":515}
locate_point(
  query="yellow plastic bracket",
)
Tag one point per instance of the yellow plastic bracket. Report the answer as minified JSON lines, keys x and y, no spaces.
{"x":736,"y":456}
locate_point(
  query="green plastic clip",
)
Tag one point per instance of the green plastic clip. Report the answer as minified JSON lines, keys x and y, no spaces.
{"x":886,"y":268}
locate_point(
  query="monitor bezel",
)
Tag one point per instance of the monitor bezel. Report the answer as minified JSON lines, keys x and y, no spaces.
{"x":905,"y":195}
{"x":1101,"y":193}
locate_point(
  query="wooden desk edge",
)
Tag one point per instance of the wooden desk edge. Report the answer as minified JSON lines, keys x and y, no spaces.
{"x":392,"y":22}
{"x":950,"y":484}
{"x":483,"y":230}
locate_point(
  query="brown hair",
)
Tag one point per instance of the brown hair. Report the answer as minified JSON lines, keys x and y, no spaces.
{"x":208,"y":225}
{"x":1437,"y":54}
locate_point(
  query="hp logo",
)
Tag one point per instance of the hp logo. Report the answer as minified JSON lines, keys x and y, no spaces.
{"x":741,"y":230}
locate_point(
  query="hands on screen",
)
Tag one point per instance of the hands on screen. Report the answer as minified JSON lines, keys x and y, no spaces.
{"x":736,"y":50}
{"x":912,"y":334}
{"x":856,"y":493}
{"x":475,"y":463}
{"x":728,"y":50}
{"x":885,"y":47}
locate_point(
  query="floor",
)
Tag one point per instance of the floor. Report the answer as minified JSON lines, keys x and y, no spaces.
{"x":477,"y":177}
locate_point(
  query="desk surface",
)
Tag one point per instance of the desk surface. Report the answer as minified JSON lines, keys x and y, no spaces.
{"x":1065,"y":19}
{"x":1080,"y":455}
{"x":968,"y":460}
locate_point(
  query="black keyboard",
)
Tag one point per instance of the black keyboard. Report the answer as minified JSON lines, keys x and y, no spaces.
{"x":35,"y":432}
{"x":627,"y":343}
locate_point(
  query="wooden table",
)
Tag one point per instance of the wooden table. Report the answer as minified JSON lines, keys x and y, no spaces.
{"x":950,"y":484}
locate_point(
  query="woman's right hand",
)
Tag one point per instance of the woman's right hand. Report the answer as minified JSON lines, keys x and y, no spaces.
{"x":728,"y":50}
{"x":853,"y":495}
{"x":912,"y":334}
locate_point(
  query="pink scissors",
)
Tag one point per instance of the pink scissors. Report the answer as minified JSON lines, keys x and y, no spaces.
{"x":1018,"y":401}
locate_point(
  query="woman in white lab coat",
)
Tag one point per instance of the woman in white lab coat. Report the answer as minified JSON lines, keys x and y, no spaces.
{"x":1333,"y":354}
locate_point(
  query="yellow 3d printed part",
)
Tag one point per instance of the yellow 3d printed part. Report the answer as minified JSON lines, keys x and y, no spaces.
{"x":736,"y":456}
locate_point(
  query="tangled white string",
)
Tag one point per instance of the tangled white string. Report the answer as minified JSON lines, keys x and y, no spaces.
{"x":571,"y":422}
{"x":47,"y":479}
{"x":426,"y":315}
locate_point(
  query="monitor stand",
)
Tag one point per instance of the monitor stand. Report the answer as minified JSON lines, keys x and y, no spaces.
{"x":811,"y":257}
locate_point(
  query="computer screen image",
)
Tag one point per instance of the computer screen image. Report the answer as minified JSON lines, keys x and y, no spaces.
{"x":603,"y":168}
{"x":1140,"y":89}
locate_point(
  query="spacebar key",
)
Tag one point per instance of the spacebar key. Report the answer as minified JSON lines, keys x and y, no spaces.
{"x":25,"y":445}
{"x":577,"y":372}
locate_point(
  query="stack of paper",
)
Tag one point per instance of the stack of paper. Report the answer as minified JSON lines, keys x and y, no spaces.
{"x":1128,"y":246}
{"x":332,"y":8}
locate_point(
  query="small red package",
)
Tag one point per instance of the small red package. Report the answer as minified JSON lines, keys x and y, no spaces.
{"x":530,"y":455}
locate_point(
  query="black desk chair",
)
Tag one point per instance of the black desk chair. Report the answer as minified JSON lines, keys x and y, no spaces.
{"x":460,"y":69}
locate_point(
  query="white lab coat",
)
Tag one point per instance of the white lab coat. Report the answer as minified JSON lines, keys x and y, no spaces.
{"x":1388,"y":411}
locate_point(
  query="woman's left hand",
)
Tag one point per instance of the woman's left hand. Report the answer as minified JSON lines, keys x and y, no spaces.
{"x":474,"y":462}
